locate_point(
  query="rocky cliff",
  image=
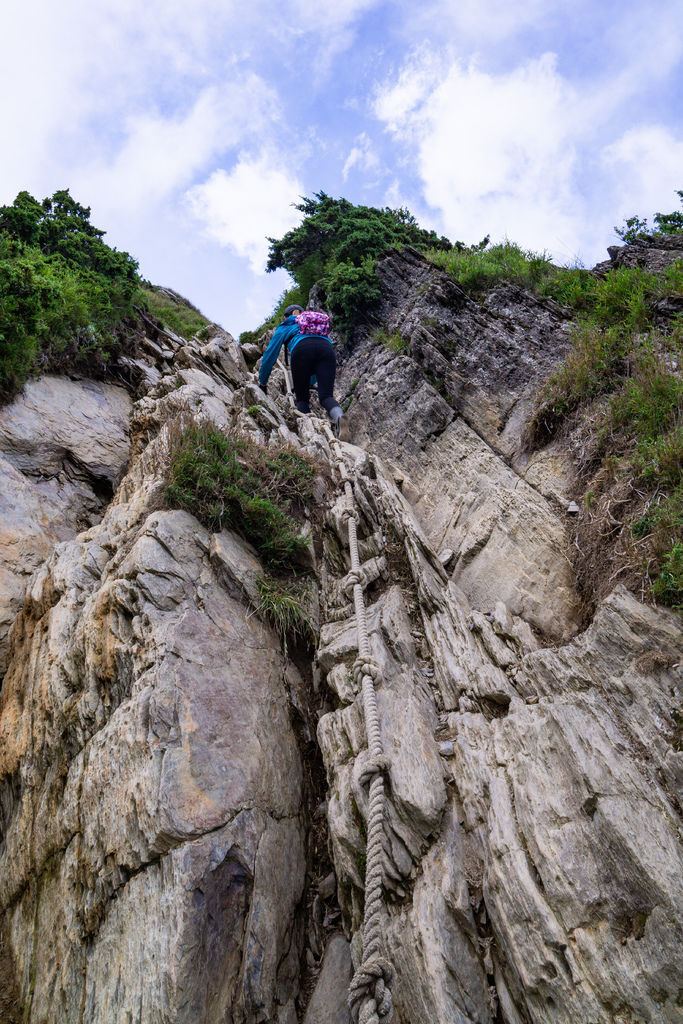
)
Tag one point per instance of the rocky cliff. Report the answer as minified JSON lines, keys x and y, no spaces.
{"x":182,"y":809}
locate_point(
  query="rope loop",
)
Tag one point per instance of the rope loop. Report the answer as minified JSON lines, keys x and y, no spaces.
{"x":348,"y":513}
{"x":372,"y":766}
{"x":353,"y":578}
{"x":370,"y":992}
{"x":365,"y":667}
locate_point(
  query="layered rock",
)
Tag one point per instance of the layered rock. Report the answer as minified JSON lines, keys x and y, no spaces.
{"x":153,"y":853}
{"x":155,"y":763}
{"x":543,"y":880}
{"x":457,"y":405}
{"x":64,"y":445}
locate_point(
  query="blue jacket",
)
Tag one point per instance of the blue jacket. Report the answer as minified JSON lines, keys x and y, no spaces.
{"x":287,"y":333}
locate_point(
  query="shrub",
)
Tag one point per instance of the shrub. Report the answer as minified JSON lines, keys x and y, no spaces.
{"x":337,"y":246}
{"x":335,"y":231}
{"x":227,"y":481}
{"x":64,"y":294}
{"x":351,"y":292}
{"x":635,"y":229}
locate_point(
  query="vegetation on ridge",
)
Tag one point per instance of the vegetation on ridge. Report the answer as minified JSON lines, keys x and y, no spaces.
{"x":64,"y":293}
{"x":620,"y":379}
{"x":636,"y":230}
{"x":336,"y":247}
{"x":176,"y":313}
{"x":620,"y":389}
{"x":620,"y":386}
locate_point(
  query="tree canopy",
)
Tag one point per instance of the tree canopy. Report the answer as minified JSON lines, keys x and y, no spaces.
{"x":636,"y":229}
{"x":63,"y":291}
{"x":61,"y":226}
{"x":337,"y":245}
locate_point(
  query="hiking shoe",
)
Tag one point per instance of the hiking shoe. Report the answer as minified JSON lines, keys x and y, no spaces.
{"x":342,"y":429}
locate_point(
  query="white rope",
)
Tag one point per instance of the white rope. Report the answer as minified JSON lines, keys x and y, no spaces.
{"x":370,"y":989}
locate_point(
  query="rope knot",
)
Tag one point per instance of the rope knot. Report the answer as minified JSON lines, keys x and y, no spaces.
{"x":372,"y":766}
{"x":353,"y":578}
{"x":365,"y":667}
{"x":370,"y":992}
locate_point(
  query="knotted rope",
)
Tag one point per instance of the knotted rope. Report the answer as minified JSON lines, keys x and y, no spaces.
{"x":370,"y":989}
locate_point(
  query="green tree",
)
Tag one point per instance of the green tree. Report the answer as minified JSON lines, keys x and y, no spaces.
{"x":63,"y":292}
{"x":337,"y":245}
{"x":636,"y":229}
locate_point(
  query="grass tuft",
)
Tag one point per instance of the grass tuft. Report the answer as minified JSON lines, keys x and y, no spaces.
{"x":392,"y":340}
{"x":668,"y":587}
{"x":282,"y":604}
{"x":229,"y":481}
{"x":478,"y":270}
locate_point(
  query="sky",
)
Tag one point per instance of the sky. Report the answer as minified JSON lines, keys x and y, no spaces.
{"x":192,"y":129}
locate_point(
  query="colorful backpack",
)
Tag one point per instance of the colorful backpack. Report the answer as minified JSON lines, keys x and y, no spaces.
{"x":312,"y":322}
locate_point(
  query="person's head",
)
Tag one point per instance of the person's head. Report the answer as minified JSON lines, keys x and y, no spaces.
{"x":293,"y":310}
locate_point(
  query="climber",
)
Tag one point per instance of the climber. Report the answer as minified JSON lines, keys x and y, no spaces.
{"x":313,"y":360}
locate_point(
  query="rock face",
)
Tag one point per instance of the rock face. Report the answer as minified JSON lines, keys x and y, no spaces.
{"x":153,"y":852}
{"x":457,"y":405}
{"x":163,"y":846}
{"x":63,"y":447}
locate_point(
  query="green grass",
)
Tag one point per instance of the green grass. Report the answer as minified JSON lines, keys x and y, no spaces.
{"x":227,"y":481}
{"x":613,"y":338}
{"x":619,"y":358}
{"x":179,"y":316}
{"x":649,"y":406}
{"x":282,"y":604}
{"x":477,"y":271}
{"x":624,"y":297}
{"x":668,"y":587}
{"x":391,"y":340}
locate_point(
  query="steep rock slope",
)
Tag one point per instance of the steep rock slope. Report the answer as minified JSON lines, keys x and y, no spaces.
{"x":157,"y":820}
{"x":63,"y":448}
{"x":152,"y":853}
{"x":455,"y":407}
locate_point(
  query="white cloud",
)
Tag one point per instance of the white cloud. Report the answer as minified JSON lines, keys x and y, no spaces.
{"x":161,"y":154}
{"x":239,"y":209}
{"x":494,"y":153}
{"x":475,"y":22}
{"x":84,"y":81}
{"x":528,"y":154}
{"x":646,"y":166}
{"x":362,"y":155}
{"x":418,"y":79}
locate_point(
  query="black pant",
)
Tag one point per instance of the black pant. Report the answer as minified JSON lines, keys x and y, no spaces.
{"x":313,"y":356}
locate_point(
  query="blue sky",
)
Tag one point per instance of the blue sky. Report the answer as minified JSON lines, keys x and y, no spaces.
{"x":191,"y":129}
